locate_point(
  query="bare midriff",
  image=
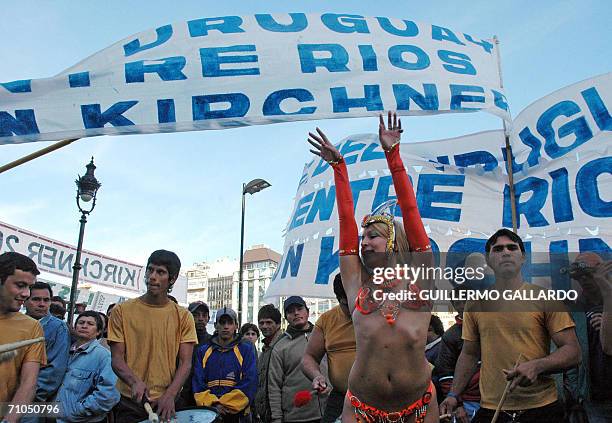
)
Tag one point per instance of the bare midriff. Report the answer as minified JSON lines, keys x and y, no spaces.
{"x":390,"y":369}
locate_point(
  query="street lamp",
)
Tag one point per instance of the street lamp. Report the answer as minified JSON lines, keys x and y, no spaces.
{"x":252,"y":187}
{"x":87,"y":189}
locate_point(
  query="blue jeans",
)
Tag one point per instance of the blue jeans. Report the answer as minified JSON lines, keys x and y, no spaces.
{"x":598,"y":412}
{"x":471,"y":407}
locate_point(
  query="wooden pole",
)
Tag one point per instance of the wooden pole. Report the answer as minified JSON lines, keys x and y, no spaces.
{"x":36,"y":154}
{"x":509,"y":160}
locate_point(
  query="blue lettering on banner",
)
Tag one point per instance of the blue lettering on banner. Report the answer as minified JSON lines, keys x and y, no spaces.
{"x":21,"y":86}
{"x":358,"y":186}
{"x":239,"y":106}
{"x":267,"y":22}
{"x":558,"y":260}
{"x":594,"y":244}
{"x":345,"y":24}
{"x":224,"y":24}
{"x":500,"y":100}
{"x":166,"y":111}
{"x":368,"y":58}
{"x":397,"y":59}
{"x":169,"y":70}
{"x":370,"y":153}
{"x":589,"y":197}
{"x":328,"y":261}
{"x":211,"y":60}
{"x":598,"y":109}
{"x":427,"y":195}
{"x":93,"y":117}
{"x":534,"y":143}
{"x":427,"y":101}
{"x":457,"y":62}
{"x":293,"y":259}
{"x":458,"y":96}
{"x":271,"y":106}
{"x":342,"y":103}
{"x":79,"y":80}
{"x":300,"y":211}
{"x":350,"y":147}
{"x":487,"y":46}
{"x":440,"y":33}
{"x":562,"y":203}
{"x":163,"y":34}
{"x":411,"y":29}
{"x":337,"y":61}
{"x":579,"y":127}
{"x":24,"y":123}
{"x":323,"y":205}
{"x":479,"y":157}
{"x":531,"y":208}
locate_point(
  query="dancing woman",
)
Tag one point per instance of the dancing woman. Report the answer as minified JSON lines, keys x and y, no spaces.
{"x":391,"y":379}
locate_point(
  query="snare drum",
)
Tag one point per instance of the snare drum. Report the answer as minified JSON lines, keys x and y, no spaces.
{"x":195,"y":415}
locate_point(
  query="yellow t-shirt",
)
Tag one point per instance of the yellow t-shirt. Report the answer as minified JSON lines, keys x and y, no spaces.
{"x":18,"y":327}
{"x":152,"y":336}
{"x":339,"y":337}
{"x":503,"y":337}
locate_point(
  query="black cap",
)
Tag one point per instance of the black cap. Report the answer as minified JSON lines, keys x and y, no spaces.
{"x":197,"y":304}
{"x":293,"y":300}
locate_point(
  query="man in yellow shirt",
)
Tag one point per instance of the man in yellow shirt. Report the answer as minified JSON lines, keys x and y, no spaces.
{"x":18,"y":374}
{"x":147,"y":335}
{"x":501,"y":337}
{"x":333,"y":335}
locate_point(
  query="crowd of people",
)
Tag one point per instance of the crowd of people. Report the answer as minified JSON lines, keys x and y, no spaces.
{"x":366,"y":360}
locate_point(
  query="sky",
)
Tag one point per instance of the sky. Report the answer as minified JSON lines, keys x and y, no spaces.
{"x":182,"y":191}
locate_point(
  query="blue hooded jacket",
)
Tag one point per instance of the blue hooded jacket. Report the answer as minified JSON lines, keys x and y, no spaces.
{"x":225,"y":375}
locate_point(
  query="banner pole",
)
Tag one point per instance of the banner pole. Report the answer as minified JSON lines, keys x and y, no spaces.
{"x":509,"y":159}
{"x":36,"y":154}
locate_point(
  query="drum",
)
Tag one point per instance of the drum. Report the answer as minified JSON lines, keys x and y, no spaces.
{"x":194,"y":415}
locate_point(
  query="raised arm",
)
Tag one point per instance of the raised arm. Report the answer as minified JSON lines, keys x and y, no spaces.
{"x":413,"y":225}
{"x":350,"y":265}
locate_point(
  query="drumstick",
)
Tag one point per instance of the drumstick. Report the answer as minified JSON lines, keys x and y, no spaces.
{"x":8,"y":351}
{"x":505,"y":394}
{"x":152,"y":416}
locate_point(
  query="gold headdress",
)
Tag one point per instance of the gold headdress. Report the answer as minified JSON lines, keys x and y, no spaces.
{"x":383,"y":214}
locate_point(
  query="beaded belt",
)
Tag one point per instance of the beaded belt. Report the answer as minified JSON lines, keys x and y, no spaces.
{"x":367,"y":414}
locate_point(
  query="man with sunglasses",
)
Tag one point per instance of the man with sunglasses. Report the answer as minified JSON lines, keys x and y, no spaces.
{"x":520,"y":333}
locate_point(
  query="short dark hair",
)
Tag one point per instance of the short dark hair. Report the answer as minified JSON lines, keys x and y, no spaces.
{"x":42,"y":285}
{"x":11,"y":261}
{"x":338,"y":288}
{"x":168,"y":259}
{"x":58,"y":299}
{"x":95,"y":315}
{"x":110,"y":307}
{"x":57,"y":309}
{"x":247,"y":327}
{"x":269,"y":311}
{"x":507,"y":233}
{"x":437,"y":325}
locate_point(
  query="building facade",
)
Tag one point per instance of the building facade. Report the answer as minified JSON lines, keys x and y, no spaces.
{"x":259,"y":266}
{"x":212,"y":282}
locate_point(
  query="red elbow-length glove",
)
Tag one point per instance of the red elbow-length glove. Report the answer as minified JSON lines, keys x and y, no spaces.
{"x":349,"y":235}
{"x":413,"y":225}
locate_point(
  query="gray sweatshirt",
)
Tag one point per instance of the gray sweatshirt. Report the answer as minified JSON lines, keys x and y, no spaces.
{"x":286,"y":378}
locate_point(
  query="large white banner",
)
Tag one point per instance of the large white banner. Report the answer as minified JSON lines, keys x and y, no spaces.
{"x":223,"y":72}
{"x":564,"y":203}
{"x":58,"y":258}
